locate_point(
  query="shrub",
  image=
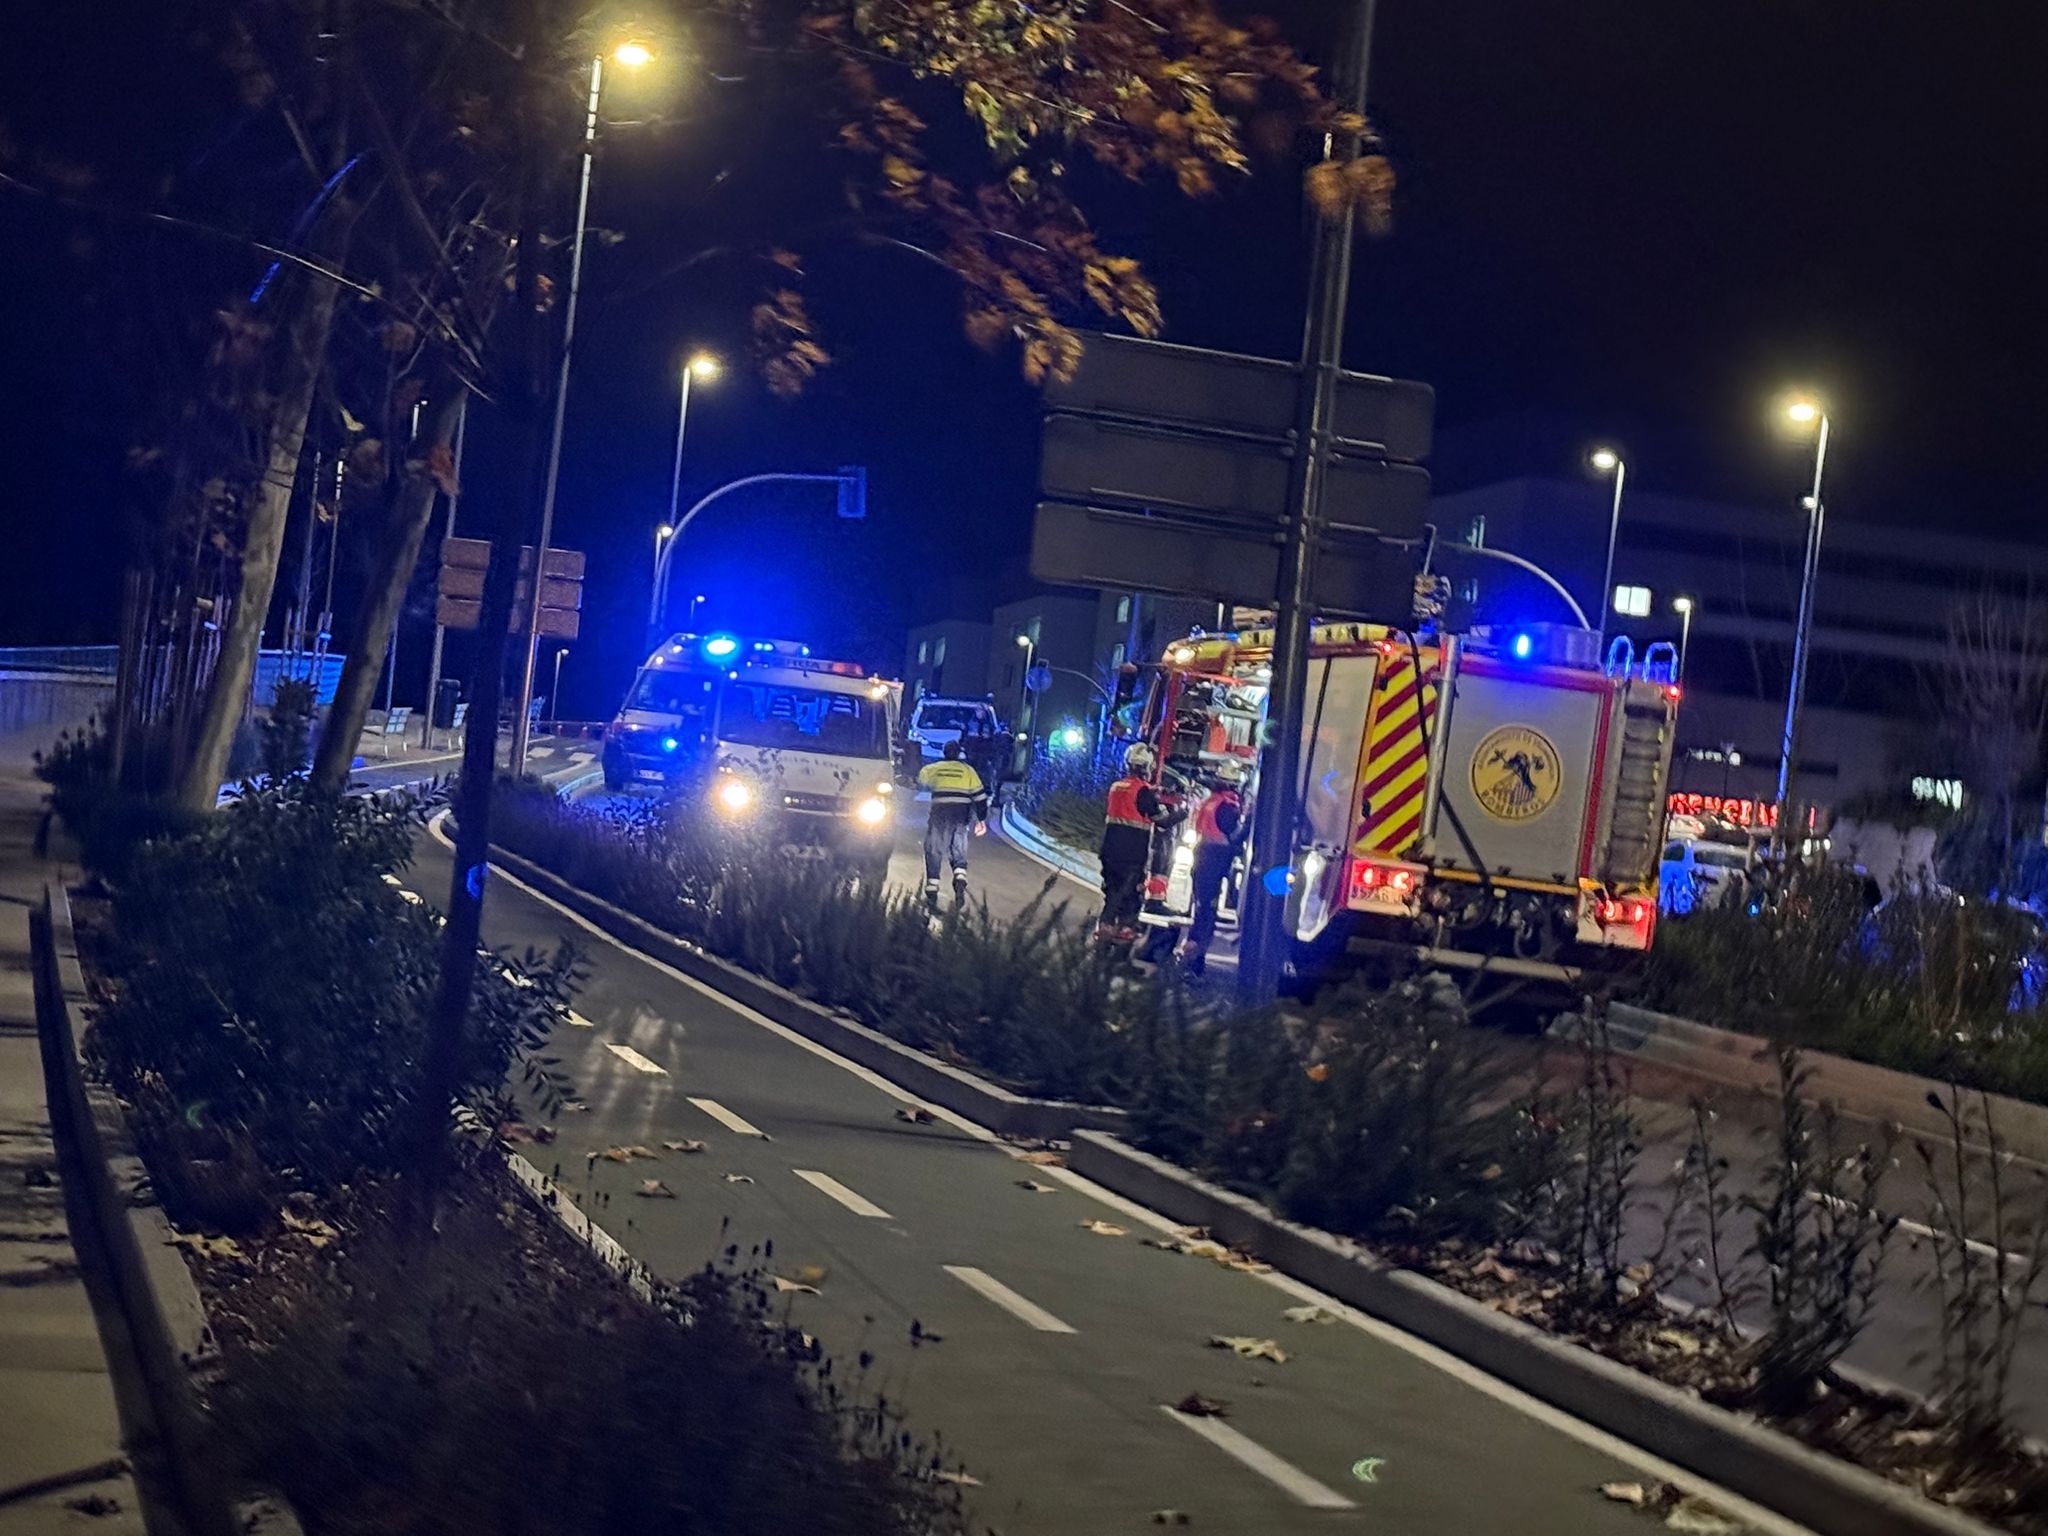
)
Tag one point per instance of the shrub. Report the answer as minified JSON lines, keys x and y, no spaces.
{"x":1064,"y":796}
{"x":268,"y":993}
{"x":110,"y":820}
{"x":492,"y":1379}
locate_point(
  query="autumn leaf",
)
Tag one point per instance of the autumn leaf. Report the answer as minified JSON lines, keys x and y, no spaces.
{"x":440,"y":465}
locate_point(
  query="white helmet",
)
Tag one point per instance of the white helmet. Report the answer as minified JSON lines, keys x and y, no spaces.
{"x":1139,"y":759}
{"x":1233,"y":772}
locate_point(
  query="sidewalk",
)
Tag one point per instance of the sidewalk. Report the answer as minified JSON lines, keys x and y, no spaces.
{"x":60,"y":1430}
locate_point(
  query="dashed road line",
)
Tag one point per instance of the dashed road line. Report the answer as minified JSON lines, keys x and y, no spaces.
{"x":728,"y":1119}
{"x":987,"y":1286}
{"x":634,"y":1059}
{"x":1244,"y":1450}
{"x":826,"y":1185}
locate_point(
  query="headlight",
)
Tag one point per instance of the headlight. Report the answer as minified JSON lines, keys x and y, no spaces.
{"x":871,"y":812}
{"x":735,"y":794}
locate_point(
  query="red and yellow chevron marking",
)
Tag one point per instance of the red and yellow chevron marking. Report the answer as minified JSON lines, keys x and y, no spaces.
{"x":1393,"y":778}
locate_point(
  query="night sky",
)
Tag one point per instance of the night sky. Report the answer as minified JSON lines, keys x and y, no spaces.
{"x":1627,"y":221}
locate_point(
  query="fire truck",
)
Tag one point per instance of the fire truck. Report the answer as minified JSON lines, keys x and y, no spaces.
{"x":1491,"y":803}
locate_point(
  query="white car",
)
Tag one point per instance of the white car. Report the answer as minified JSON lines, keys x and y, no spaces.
{"x":936,"y":721}
{"x":1697,"y":873}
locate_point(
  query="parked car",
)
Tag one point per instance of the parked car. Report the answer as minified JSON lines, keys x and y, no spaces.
{"x":934,"y":721}
{"x":1698,"y":873}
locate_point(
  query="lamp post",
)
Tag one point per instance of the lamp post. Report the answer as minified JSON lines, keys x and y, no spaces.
{"x":1608,"y":461}
{"x":556,"y":696}
{"x":703,"y":367}
{"x":1683,"y":607}
{"x":1024,"y":682}
{"x":630,"y":55}
{"x":691,"y":622}
{"x":1802,"y":414}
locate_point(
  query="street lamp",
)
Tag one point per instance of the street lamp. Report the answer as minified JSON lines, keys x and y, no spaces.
{"x":691,"y":623}
{"x":1024,"y":683}
{"x":703,"y":368}
{"x":1804,"y":414}
{"x":1608,"y":461}
{"x":630,"y":53}
{"x":1683,"y":607}
{"x":557,"y":696}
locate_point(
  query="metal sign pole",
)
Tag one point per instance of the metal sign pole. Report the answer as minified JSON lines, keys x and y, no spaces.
{"x":1275,"y":813}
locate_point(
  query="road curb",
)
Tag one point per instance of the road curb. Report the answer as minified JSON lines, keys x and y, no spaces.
{"x":1859,"y":1089}
{"x":943,"y":1084}
{"x":1022,"y":834}
{"x":1832,"y":1497}
{"x":157,"y":1303}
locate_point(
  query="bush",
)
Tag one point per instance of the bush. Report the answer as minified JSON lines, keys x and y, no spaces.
{"x":493,"y":1379}
{"x":1031,"y":1002}
{"x":267,"y":995}
{"x":1064,"y":796}
{"x":1927,"y":984}
{"x":1366,"y":1116}
{"x":109,"y":820}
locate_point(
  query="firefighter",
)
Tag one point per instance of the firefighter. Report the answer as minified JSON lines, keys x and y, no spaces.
{"x":1134,"y":809}
{"x":1220,"y":828}
{"x":959,"y":802}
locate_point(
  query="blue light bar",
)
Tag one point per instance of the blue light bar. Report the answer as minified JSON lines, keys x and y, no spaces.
{"x":1522,"y":646}
{"x":718,"y":647}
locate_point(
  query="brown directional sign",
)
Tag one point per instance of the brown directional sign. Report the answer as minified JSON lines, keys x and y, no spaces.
{"x":1184,"y":554}
{"x":1094,"y":461}
{"x":1200,"y":390}
{"x":459,"y":599}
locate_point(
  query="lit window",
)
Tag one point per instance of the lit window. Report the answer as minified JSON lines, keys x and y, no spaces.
{"x":1947,"y":793}
{"x":1116,"y":655}
{"x":924,"y":652}
{"x":1123,"y":610}
{"x":1632,"y":602}
{"x":939,"y":652}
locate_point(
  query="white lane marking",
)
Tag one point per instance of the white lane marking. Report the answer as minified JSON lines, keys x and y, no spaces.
{"x":826,"y":1185}
{"x":634,"y":1059}
{"x":781,"y":1031}
{"x":1028,"y":1312}
{"x":1241,"y":1448}
{"x":578,"y":1021}
{"x":1765,"y":1522}
{"x":726,"y":1117}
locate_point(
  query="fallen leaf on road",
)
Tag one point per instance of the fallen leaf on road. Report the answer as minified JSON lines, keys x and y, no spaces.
{"x":683,"y":1146}
{"x":738,"y":1178}
{"x":798,"y":1286}
{"x":1626,"y":1493}
{"x":205,"y":1246}
{"x":1245,"y":1263}
{"x":1042,"y":1159}
{"x":812,"y":1274}
{"x":963,"y":1479}
{"x":1105,"y":1228}
{"x":917,"y":1116}
{"x":654,"y":1189}
{"x":576,"y":1106}
{"x":1696,"y":1517}
{"x":1196,"y":1406}
{"x":628,"y":1154}
{"x":1249,"y":1348}
{"x":1309,"y":1314}
{"x":1035,"y":1187}
{"x":516,"y":1132}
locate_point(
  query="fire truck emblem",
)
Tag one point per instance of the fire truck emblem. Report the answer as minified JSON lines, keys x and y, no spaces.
{"x":1515,"y":773}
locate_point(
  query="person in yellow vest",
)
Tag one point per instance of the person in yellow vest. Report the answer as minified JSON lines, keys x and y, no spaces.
{"x":959,"y":804}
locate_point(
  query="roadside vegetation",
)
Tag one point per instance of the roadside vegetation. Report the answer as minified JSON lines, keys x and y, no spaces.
{"x":1064,"y":796}
{"x":1929,"y":983}
{"x":389,"y":1364}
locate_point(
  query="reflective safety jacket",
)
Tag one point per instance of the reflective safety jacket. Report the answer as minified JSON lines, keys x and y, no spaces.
{"x":1127,"y":806}
{"x":1218,"y":818}
{"x":956,"y":790}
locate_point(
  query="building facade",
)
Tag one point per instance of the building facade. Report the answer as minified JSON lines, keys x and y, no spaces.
{"x":1883,"y":604}
{"x":948,"y":657}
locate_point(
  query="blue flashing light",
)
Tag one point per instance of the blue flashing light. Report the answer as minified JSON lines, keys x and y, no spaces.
{"x":718,"y":647}
{"x":669,"y":743}
{"x":1523,"y":646}
{"x":1277,"y":879}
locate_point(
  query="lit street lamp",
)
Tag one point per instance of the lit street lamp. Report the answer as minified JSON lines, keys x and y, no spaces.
{"x":629,"y":54}
{"x":556,"y":697}
{"x":1607,"y":461}
{"x":1683,"y":607}
{"x":1024,"y":683}
{"x":704,"y":368}
{"x":1804,"y":414}
{"x":691,"y":622}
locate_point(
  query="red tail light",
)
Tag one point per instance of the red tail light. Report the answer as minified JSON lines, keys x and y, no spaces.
{"x":1614,"y":912}
{"x":1370,"y":881}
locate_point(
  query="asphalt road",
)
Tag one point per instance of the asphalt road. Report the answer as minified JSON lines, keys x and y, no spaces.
{"x":1059,"y":1348}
